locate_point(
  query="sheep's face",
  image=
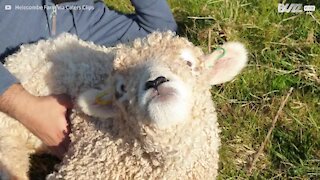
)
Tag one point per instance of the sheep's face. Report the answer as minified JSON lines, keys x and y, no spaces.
{"x":162,"y":88}
{"x":164,"y":93}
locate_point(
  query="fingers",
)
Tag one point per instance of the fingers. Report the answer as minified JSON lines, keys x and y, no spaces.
{"x":66,"y":129}
{"x":62,"y":139}
{"x":57,"y":151}
{"x":67,"y":115}
{"x":60,"y":149}
{"x":65,"y":143}
{"x":64,"y":100}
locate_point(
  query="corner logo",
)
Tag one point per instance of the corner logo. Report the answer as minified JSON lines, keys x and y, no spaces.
{"x":7,"y":7}
{"x":295,"y":8}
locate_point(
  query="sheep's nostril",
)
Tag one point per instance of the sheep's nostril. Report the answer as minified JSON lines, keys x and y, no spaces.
{"x":150,"y":84}
{"x":155,"y":83}
{"x":160,"y":80}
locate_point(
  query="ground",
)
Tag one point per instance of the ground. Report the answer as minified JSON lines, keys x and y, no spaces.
{"x":284,"y":52}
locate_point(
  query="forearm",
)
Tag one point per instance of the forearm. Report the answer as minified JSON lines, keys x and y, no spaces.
{"x":14,"y":101}
{"x":10,"y":93}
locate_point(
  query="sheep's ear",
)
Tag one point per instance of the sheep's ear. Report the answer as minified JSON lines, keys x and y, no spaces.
{"x":225,"y":63}
{"x":96,"y":103}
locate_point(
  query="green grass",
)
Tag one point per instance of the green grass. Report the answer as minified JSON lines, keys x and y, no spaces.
{"x":284,"y":52}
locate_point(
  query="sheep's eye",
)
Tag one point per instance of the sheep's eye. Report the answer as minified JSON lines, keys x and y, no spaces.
{"x":121,"y":89}
{"x":188,"y":56}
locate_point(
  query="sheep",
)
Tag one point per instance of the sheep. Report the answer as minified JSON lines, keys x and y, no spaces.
{"x":143,"y":110}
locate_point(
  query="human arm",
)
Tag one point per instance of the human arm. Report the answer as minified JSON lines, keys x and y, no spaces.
{"x":44,"y":116}
{"x":108,"y":27}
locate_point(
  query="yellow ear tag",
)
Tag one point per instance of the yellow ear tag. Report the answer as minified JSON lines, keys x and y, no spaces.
{"x":100,"y":101}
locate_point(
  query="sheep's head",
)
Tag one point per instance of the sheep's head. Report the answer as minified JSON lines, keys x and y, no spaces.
{"x":157,"y":81}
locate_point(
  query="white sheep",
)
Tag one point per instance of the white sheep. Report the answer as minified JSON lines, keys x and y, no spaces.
{"x":144,"y":110}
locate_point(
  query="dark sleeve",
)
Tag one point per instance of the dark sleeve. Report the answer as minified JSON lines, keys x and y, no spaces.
{"x":108,"y":27}
{"x":6,"y":79}
{"x":18,"y":27}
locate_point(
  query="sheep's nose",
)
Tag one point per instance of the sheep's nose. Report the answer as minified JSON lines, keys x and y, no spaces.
{"x":155,"y":83}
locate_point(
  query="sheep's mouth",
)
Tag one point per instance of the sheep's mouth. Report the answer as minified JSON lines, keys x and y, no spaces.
{"x":166,"y":104}
{"x":162,"y":94}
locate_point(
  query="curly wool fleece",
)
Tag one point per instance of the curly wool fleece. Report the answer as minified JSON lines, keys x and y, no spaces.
{"x":168,"y":131}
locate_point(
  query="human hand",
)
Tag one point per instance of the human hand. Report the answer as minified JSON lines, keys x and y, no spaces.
{"x":45,"y":117}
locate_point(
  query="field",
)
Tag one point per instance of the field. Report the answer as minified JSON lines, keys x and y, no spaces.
{"x":284,"y":53}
